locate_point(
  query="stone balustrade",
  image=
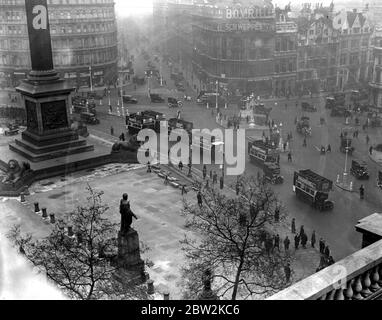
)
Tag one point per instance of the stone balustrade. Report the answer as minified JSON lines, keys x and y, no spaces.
{"x":357,"y":277}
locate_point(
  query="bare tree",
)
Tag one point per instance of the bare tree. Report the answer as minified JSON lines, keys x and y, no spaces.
{"x":80,"y":264}
{"x":236,"y":243}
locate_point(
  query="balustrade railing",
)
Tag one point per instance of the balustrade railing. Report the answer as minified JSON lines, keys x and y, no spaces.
{"x":357,"y":277}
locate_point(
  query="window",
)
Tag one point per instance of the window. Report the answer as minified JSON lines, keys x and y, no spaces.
{"x":356,"y":30}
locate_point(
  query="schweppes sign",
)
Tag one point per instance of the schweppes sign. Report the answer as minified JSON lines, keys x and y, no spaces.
{"x":39,"y":34}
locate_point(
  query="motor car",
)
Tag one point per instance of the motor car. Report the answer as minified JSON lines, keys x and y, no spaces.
{"x":308,"y":107}
{"x":359,"y":169}
{"x":129,"y":99}
{"x":89,"y":118}
{"x":174,"y":103}
{"x":156,"y":98}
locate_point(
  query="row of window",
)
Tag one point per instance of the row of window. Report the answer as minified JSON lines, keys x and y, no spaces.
{"x":22,"y":60}
{"x":65,"y":29}
{"x":62,"y":2}
{"x":104,"y":13}
{"x":355,"y":43}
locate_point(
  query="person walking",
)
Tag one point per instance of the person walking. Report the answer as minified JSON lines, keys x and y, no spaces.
{"x":112,"y":130}
{"x":166,"y":180}
{"x":286,"y":243}
{"x":296,"y":241}
{"x":200,"y":200}
{"x":277,"y":214}
{"x":277,"y":242}
{"x":371,"y":150}
{"x":204,"y":172}
{"x":289,"y":156}
{"x":327,"y":251}
{"x":304,"y":240}
{"x":215,"y":178}
{"x":322,"y":245}
{"x":362,"y":192}
{"x":313,"y":239}
{"x":287,"y":272}
{"x":148,"y":167}
{"x":184,"y":191}
{"x":367,"y":139}
{"x":293,"y":225}
{"x":221,"y":183}
{"x":180,"y":165}
{"x":302,"y":231}
{"x":237,"y":188}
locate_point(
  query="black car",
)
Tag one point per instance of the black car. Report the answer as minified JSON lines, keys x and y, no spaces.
{"x":129,"y":99}
{"x":89,"y":118}
{"x":156,"y":98}
{"x":359,"y":169}
{"x":308,"y":107}
{"x":174,"y":103}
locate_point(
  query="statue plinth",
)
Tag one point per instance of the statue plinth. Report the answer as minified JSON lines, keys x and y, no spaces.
{"x":129,"y":255}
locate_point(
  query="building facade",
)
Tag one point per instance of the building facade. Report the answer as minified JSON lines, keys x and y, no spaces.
{"x":84,"y":41}
{"x":376,"y":78}
{"x":355,"y":54}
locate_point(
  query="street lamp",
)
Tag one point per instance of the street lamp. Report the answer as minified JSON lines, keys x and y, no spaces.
{"x":217,"y":92}
{"x":91,"y":78}
{"x":345,"y":185}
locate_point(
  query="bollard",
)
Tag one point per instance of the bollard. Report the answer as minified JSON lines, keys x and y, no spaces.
{"x":44,"y":213}
{"x":150,"y":287}
{"x":166,"y":295}
{"x":22,"y":197}
{"x":36,"y":207}
{"x":52,"y":218}
{"x":70,"y":231}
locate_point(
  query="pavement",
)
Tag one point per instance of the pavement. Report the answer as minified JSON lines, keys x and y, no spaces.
{"x":160,"y":225}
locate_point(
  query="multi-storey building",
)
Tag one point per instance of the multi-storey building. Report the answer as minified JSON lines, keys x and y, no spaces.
{"x":84,"y":39}
{"x":355,"y":60}
{"x":376,"y":78}
{"x":317,"y":50}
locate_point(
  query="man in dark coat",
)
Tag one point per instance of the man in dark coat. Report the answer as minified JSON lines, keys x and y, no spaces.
{"x":296,"y":241}
{"x":293,"y":225}
{"x":304,"y":240}
{"x":322,"y":245}
{"x":215,"y":178}
{"x":221,"y":182}
{"x":313,"y":239}
{"x":327,"y":251}
{"x":286,"y":243}
{"x":180,"y":165}
{"x":204,"y":172}
{"x":277,"y":242}
{"x":287,"y":271}
{"x":362,"y":192}
{"x":200,"y":200}
{"x":302,"y":231}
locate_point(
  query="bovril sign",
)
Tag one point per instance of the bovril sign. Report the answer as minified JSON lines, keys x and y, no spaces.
{"x":39,"y":34}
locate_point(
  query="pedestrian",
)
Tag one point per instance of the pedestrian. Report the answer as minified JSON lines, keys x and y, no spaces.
{"x":200,"y":200}
{"x":277,"y":242}
{"x":289,"y":156}
{"x":293,"y":225}
{"x":304,"y":240}
{"x":287,"y":271}
{"x":204,"y":172}
{"x":112,"y":130}
{"x":215,"y":178}
{"x":304,"y":143}
{"x":329,"y":148}
{"x":367,"y":139}
{"x":166,"y":180}
{"x":180,"y":165}
{"x":296,"y":241}
{"x":184,"y":191}
{"x":327,"y":251}
{"x":277,"y":214}
{"x":237,"y":188}
{"x":207,"y":186}
{"x":322,"y":245}
{"x":148,"y":167}
{"x":371,"y":150}
{"x":302,"y":231}
{"x":286,"y":243}
{"x":284,"y":146}
{"x":313,"y":239}
{"x":362,"y":192}
{"x":221,"y":183}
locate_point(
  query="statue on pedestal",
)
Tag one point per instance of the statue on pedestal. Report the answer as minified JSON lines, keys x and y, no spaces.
{"x":126,"y":214}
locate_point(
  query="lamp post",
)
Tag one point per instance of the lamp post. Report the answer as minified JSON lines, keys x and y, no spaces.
{"x":217,"y":92}
{"x":91,"y":78}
